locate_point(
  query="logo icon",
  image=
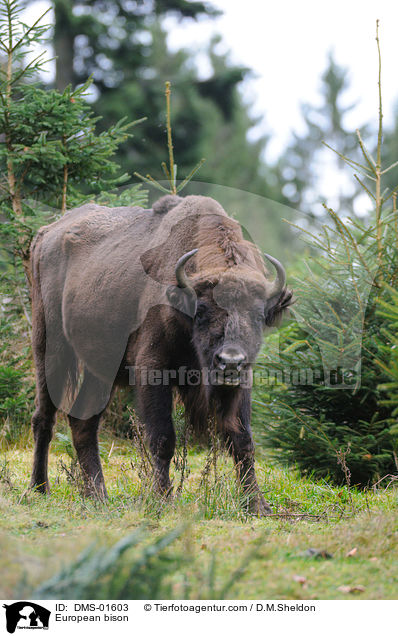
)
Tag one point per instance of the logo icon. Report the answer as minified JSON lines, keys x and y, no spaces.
{"x":26,"y":615}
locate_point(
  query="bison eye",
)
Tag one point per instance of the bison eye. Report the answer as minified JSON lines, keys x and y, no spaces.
{"x":201,"y":313}
{"x":258,"y":317}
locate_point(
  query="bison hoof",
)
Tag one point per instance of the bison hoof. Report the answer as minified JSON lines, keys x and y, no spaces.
{"x":95,"y":491}
{"x":43,"y":488}
{"x":164,"y":492}
{"x":258,"y":507}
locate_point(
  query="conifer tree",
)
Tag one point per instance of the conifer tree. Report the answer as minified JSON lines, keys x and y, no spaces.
{"x":51,"y":153}
{"x":325,"y":412}
{"x":305,"y":159}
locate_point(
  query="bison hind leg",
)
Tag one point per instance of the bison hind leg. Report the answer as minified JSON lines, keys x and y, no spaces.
{"x":43,"y":421}
{"x":42,"y":426}
{"x":52,"y":377}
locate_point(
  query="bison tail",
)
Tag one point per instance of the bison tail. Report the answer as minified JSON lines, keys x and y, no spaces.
{"x":74,"y":373}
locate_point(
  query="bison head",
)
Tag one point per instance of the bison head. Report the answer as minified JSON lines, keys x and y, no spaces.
{"x":229,"y":311}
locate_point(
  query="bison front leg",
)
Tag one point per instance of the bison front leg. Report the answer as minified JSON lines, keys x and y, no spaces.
{"x":84,"y":425}
{"x":85,"y":441}
{"x":155,"y":405}
{"x":241,"y":446}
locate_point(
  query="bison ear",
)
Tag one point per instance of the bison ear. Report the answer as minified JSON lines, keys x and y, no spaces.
{"x":279,"y":305}
{"x":183,"y":299}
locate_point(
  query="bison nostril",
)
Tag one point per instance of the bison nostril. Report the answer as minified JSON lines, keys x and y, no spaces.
{"x":220,"y":362}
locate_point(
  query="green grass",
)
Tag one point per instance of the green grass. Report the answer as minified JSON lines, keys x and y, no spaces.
{"x":40,"y":535}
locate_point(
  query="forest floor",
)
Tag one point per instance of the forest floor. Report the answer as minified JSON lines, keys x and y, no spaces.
{"x":323,"y":542}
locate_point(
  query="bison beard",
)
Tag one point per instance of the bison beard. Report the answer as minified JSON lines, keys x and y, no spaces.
{"x":164,"y":289}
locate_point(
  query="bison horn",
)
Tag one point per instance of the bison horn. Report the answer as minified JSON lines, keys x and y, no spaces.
{"x":182,"y":278}
{"x":280,"y":279}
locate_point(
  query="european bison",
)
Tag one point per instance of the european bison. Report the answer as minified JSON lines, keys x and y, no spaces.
{"x":168,"y":299}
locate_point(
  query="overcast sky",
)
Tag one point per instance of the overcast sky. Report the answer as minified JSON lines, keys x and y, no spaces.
{"x":286,"y":43}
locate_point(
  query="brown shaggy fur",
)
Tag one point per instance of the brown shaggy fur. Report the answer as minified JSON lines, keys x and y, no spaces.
{"x":102,"y":283}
